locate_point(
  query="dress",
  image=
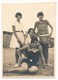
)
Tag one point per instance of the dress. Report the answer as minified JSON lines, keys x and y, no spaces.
{"x":20,"y":34}
{"x":32,"y":57}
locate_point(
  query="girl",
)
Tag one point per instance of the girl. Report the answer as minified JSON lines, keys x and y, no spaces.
{"x":42,"y":32}
{"x":18,"y":35}
{"x":33,"y":51}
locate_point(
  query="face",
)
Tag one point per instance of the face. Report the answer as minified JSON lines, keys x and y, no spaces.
{"x":19,"y":17}
{"x":31,"y":33}
{"x":40,"y":17}
{"x":35,"y":44}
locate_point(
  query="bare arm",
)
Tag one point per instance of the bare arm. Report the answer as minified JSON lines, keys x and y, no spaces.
{"x":24,"y":47}
{"x":35,"y":26}
{"x":14,"y":31}
{"x":51,"y":29}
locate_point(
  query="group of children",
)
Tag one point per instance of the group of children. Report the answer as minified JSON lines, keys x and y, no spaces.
{"x":31,"y":47}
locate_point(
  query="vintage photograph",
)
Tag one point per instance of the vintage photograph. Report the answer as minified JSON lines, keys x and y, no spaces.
{"x":28,"y":39}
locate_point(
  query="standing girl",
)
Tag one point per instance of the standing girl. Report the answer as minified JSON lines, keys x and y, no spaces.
{"x":18,"y":35}
{"x":43,"y":33}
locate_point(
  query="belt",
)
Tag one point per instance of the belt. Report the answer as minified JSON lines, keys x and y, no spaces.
{"x":19,"y":31}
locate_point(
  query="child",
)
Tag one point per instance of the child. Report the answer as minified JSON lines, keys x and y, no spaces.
{"x":18,"y":35}
{"x":42,"y":32}
{"x":33,"y":50}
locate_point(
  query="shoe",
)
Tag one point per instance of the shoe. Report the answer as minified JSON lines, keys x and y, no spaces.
{"x":16,"y":65}
{"x":48,"y":64}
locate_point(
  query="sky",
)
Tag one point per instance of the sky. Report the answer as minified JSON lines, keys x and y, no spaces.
{"x":29,"y":14}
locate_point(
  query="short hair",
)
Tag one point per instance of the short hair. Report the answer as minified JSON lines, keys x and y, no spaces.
{"x":19,"y":14}
{"x":30,"y":30}
{"x":40,"y":14}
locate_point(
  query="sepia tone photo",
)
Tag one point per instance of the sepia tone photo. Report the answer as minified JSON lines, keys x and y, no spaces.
{"x":28,"y":39}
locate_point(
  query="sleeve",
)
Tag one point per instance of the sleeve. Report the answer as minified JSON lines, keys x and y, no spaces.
{"x":28,"y":40}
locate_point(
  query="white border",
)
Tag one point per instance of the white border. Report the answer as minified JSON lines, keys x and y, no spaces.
{"x":56,"y":40}
{"x":25,"y":1}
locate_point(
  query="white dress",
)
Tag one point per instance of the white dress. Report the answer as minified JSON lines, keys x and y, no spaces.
{"x":18,"y":27}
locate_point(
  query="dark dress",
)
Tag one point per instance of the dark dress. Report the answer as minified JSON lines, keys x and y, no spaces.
{"x":32,"y":57}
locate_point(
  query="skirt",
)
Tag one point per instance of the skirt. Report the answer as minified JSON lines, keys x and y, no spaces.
{"x":14,"y":43}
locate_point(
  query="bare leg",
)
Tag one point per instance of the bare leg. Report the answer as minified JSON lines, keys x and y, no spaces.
{"x":41,"y":55}
{"x":33,"y":69}
{"x":23,"y":68}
